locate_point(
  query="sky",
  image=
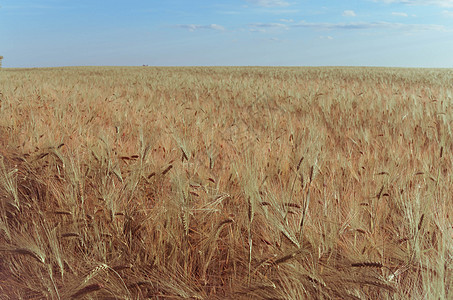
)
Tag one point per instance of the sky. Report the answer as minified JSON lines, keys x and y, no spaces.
{"x":393,"y":33}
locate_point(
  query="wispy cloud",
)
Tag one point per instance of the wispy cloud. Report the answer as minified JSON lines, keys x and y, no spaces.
{"x":287,"y":20}
{"x":269,"y":3}
{"x":193,"y":27}
{"x":262,"y":27}
{"x":371,"y":25}
{"x":447,"y":13}
{"x":257,"y":30}
{"x":269,"y":25}
{"x":442,"y":3}
{"x":349,"y":13}
{"x":399,"y":14}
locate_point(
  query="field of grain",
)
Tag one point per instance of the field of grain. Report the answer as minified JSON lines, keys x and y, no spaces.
{"x":226,"y":183}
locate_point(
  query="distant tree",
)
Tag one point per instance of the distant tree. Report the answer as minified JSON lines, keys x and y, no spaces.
{"x":1,"y":58}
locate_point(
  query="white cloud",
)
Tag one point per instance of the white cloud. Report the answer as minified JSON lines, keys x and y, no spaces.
{"x":349,"y":13}
{"x":287,"y":20}
{"x":193,"y":27}
{"x":399,"y":14}
{"x":447,"y":13}
{"x":257,"y":30}
{"x":442,"y":3}
{"x":371,"y":25}
{"x":262,"y":27}
{"x":269,"y":25}
{"x":269,"y":3}
{"x":322,"y":37}
{"x":216,"y":27}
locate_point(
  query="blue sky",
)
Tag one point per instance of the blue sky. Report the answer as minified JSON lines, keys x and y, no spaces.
{"x":404,"y":33}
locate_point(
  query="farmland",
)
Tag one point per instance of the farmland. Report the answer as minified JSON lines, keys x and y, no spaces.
{"x":226,"y":183}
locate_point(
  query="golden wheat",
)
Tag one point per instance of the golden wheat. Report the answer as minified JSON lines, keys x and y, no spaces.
{"x":228,"y":182}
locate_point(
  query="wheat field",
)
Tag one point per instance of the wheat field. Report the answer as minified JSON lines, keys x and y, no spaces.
{"x":226,"y":183}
